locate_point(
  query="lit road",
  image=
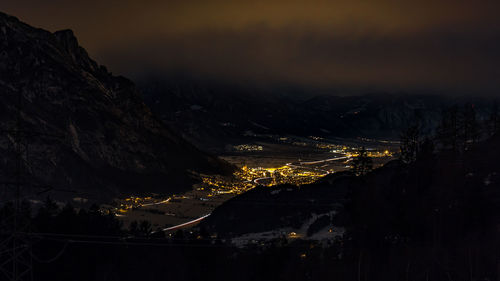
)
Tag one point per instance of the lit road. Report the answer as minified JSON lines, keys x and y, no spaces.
{"x":323,"y":161}
{"x":259,"y":179}
{"x":325,"y":172}
{"x":186,"y":223}
{"x":157,"y":203}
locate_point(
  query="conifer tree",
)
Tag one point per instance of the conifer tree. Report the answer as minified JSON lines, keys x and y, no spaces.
{"x":362,"y":164}
{"x":410,"y":144}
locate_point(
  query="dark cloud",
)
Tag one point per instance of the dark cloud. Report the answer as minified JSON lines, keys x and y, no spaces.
{"x":441,"y":60}
{"x":380,"y":44}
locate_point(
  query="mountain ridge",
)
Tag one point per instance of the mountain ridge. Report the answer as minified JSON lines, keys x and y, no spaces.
{"x":93,"y":130}
{"x":204,"y":111}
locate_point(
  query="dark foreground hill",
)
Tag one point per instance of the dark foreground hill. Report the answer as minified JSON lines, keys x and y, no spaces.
{"x":460,"y":189}
{"x":84,"y":128}
{"x":435,"y":219}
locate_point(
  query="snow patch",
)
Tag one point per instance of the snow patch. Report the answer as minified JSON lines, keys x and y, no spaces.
{"x":487,"y":180}
{"x":195,"y":107}
{"x":324,"y":235}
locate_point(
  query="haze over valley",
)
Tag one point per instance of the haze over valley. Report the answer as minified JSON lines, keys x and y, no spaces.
{"x":250,"y":140}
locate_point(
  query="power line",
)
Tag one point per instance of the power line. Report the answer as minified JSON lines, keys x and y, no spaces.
{"x":126,"y":241}
{"x":16,"y":262}
{"x":57,"y":256}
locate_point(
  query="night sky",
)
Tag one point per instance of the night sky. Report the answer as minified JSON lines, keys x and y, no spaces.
{"x":449,"y":45}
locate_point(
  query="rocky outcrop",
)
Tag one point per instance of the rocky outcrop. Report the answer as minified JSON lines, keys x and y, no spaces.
{"x":85,"y":129}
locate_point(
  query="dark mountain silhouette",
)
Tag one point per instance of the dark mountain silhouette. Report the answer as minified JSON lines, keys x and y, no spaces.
{"x":85,"y":128}
{"x":434,"y":219}
{"x":463,"y":189}
{"x":212,"y":114}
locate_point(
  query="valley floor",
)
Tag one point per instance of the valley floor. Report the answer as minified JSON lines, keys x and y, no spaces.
{"x":265,"y":162}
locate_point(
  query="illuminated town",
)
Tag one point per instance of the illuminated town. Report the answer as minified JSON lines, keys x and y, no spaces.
{"x":246,"y":178}
{"x":299,"y":173}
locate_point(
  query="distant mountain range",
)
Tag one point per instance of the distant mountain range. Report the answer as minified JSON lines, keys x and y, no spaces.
{"x":83,"y":128}
{"x":211,"y":114}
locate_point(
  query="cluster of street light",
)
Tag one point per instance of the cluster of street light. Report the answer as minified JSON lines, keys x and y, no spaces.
{"x":248,"y":147}
{"x":301,"y":173}
{"x":247,"y":178}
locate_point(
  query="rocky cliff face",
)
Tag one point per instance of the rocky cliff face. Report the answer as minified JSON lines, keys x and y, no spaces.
{"x":85,"y":129}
